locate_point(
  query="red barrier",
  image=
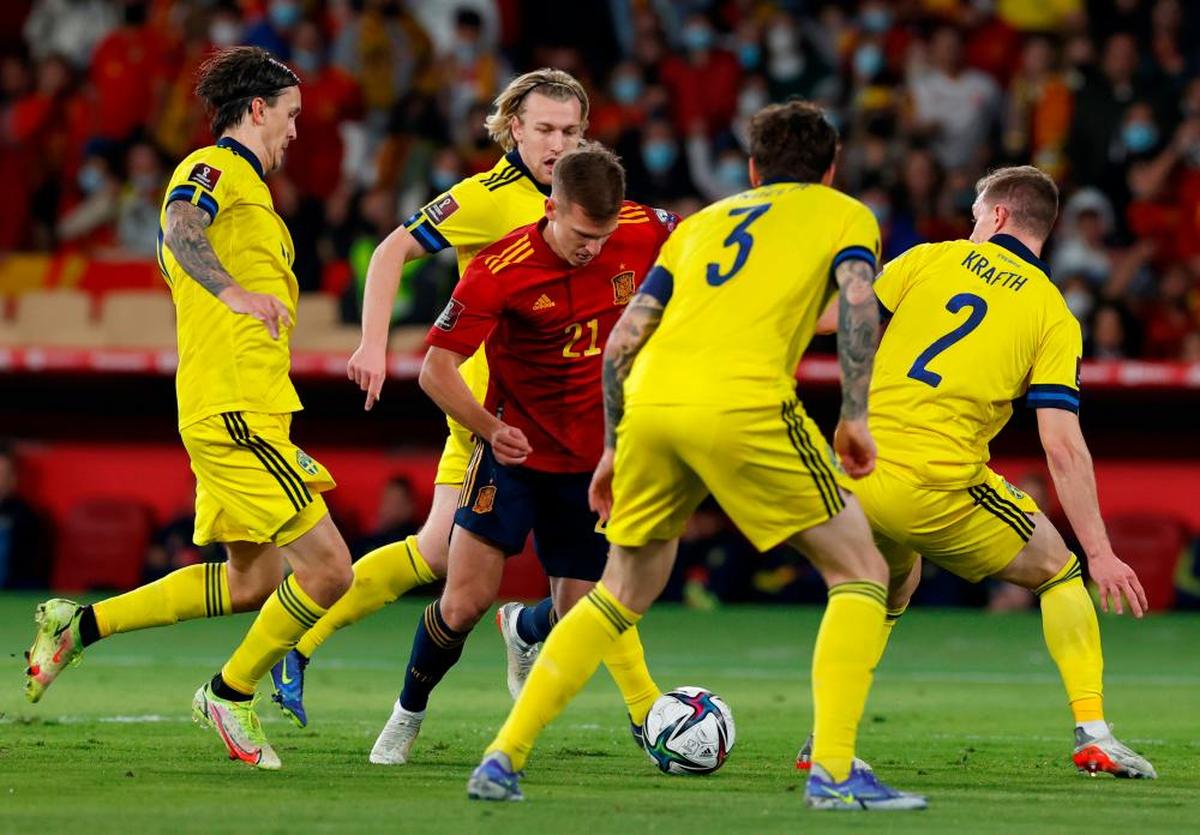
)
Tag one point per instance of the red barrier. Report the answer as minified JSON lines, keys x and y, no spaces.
{"x":60,"y":477}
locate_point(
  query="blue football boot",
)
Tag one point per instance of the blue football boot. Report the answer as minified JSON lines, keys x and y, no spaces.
{"x":288,"y":676}
{"x":494,"y":779}
{"x":862,"y":791}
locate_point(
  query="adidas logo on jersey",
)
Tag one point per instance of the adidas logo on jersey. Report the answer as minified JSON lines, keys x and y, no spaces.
{"x":544,"y":302}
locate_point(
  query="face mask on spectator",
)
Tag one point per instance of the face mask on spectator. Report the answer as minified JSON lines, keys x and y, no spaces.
{"x":144,"y":183}
{"x":697,"y":37}
{"x":224,"y":33}
{"x":465,"y":52}
{"x":90,"y":179}
{"x":750,"y":101}
{"x":1080,"y":303}
{"x":659,"y":156}
{"x":307,"y":61}
{"x":442,"y":179}
{"x":868,"y":60}
{"x":1139,"y":137}
{"x":876,"y":20}
{"x":627,"y":89}
{"x":284,"y":14}
{"x":881,"y":210}
{"x":749,"y":54}
{"x":732,"y":173}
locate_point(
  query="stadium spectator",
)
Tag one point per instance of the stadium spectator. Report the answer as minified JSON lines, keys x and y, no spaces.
{"x":70,"y":28}
{"x":90,"y":223}
{"x":397,"y":517}
{"x":702,"y":81}
{"x":140,"y":201}
{"x":1038,"y":121}
{"x":126,"y":74}
{"x":657,"y":169}
{"x":1083,"y":229}
{"x":1103,"y":95}
{"x":331,"y":100}
{"x":1099,"y":136}
{"x":379,"y":47}
{"x":24,"y":551}
{"x":274,"y":30}
{"x":956,"y":107}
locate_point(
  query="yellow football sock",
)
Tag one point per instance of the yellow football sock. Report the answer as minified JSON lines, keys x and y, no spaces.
{"x":197,"y":591}
{"x":286,"y":615}
{"x":568,"y":659}
{"x":1073,"y":638}
{"x":889,"y":623}
{"x":843,"y":662}
{"x":379,"y":578}
{"x":626,"y":663}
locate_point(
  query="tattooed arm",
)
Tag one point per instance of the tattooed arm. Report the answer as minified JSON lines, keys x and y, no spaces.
{"x":857,"y":336}
{"x":636,"y":325}
{"x":186,"y":238}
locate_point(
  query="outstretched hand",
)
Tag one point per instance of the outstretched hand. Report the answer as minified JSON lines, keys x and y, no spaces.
{"x":1115,"y":579}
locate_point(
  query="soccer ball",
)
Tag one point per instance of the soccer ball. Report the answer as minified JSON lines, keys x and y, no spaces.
{"x":688,"y":731}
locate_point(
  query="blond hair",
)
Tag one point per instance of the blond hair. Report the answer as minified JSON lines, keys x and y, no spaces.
{"x":1029,"y":193}
{"x":551,"y":83}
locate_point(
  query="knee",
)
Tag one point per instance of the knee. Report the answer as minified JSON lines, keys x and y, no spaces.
{"x":461,"y":611}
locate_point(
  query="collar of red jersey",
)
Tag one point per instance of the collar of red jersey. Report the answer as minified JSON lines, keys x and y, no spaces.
{"x":242,"y":151}
{"x":514,"y":158}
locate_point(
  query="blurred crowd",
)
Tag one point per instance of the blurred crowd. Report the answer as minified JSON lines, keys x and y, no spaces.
{"x":96,"y":106}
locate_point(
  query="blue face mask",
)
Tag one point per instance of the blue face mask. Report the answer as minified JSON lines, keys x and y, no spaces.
{"x":307,"y":61}
{"x":284,"y":15}
{"x":882,"y":211}
{"x":627,"y":89}
{"x":659,"y":156}
{"x":749,"y":54}
{"x":442,"y":180}
{"x":1139,"y":137}
{"x":732,"y":173}
{"x":90,"y":179}
{"x":868,"y":60}
{"x":876,"y":21}
{"x":697,"y":38}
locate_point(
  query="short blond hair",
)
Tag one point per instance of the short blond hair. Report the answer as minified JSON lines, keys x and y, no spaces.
{"x":551,"y":83}
{"x":1029,"y":193}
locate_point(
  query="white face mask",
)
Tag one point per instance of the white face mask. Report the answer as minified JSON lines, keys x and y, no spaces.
{"x":224,"y":33}
{"x":1080,"y":303}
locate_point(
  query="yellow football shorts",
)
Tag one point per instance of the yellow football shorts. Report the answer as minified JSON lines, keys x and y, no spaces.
{"x":973,"y":532}
{"x":769,"y":468}
{"x":460,"y":445}
{"x":252,"y":483}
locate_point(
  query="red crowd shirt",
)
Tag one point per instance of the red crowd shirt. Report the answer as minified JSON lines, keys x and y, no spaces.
{"x":544,"y":324}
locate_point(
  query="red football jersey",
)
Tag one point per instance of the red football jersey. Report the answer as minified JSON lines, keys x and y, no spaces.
{"x":544,"y":324}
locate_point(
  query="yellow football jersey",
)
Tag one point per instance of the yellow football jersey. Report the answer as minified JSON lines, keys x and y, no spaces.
{"x":744,"y":281}
{"x":480,"y":210}
{"x":229,"y":362}
{"x":475,"y":212}
{"x":974,"y":327}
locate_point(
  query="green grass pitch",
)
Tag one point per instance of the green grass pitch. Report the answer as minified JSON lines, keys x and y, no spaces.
{"x":966,"y":707}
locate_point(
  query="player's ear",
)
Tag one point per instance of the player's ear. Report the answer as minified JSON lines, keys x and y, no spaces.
{"x":830,"y":173}
{"x":551,"y":207}
{"x":755,"y":179}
